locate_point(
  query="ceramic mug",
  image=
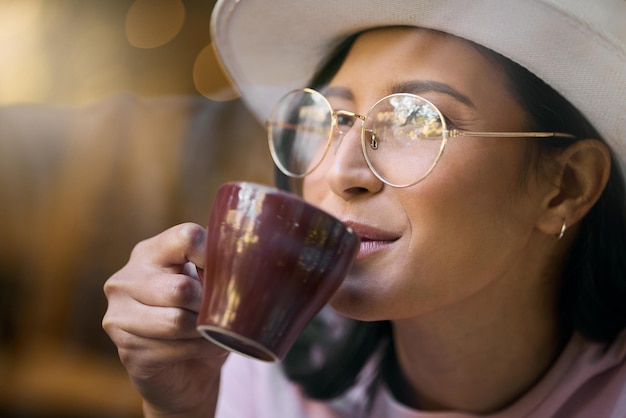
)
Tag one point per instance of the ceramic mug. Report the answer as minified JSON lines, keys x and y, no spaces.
{"x":272,"y":262}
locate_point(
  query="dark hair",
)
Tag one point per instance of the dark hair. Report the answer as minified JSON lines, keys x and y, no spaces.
{"x":326,"y":362}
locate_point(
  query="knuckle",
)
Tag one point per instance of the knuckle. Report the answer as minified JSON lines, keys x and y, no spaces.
{"x":127,"y":356}
{"x":112,"y":327}
{"x":178,"y":321}
{"x":111,"y":285}
{"x":139,"y":248}
{"x":126,"y":342}
{"x":117,"y":336}
{"x":190,"y":234}
{"x":107,"y":325}
{"x":182,"y":291}
{"x":118,"y":286}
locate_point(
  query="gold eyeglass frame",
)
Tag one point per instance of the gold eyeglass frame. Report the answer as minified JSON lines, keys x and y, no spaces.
{"x":446,"y":134}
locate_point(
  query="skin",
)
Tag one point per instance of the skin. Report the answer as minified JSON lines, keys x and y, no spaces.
{"x":465,"y":264}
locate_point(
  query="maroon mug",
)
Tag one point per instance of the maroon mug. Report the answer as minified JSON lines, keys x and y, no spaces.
{"x":272,"y":262}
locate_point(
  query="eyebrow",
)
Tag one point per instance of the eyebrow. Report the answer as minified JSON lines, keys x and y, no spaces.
{"x":424,"y":86}
{"x":413,"y":87}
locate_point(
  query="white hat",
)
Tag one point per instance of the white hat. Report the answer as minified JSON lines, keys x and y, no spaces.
{"x":578,"y":47}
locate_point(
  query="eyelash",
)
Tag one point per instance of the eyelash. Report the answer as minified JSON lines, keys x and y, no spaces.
{"x":449,"y":122}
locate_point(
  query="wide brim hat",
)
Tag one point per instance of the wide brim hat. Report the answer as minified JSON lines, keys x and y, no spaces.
{"x":269,"y":47}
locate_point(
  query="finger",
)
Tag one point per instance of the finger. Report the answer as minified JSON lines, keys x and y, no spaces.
{"x":150,"y":286}
{"x":169,"y":290}
{"x":174,"y":247}
{"x":143,"y":356}
{"x":152,"y":322}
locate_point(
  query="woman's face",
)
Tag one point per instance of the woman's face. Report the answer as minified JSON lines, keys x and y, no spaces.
{"x":470,"y":223}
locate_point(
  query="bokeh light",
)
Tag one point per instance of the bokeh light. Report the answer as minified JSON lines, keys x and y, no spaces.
{"x":153,"y":23}
{"x":77,"y":52}
{"x":209,"y":78}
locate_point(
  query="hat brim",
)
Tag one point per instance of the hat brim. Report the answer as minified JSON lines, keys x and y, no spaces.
{"x":576,"y":46}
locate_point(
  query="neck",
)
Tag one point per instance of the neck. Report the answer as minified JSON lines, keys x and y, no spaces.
{"x":478,"y":356}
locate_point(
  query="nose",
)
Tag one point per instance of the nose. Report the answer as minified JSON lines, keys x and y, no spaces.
{"x":348,"y":174}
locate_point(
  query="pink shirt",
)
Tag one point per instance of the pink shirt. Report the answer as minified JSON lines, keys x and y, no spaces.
{"x":588,"y":380}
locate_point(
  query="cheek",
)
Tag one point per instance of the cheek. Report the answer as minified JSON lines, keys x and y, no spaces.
{"x":465,"y":225}
{"x":314,"y":188}
{"x":475,"y":212}
{"x":476,"y":196}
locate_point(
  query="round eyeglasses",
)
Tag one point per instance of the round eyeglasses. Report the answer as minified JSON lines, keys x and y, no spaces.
{"x":402,"y":135}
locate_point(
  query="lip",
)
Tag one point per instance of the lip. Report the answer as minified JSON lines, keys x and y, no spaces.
{"x":373,"y":240}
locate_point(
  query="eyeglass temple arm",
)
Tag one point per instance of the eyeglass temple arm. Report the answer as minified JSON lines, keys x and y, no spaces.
{"x":291,"y":126}
{"x":456,"y":133}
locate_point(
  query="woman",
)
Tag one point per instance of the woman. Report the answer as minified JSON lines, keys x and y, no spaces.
{"x":491,"y":279}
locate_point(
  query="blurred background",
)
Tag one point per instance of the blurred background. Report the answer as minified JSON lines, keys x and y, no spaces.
{"x":116,"y":122}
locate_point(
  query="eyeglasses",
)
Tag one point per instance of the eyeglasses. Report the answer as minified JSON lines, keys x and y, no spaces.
{"x":402,"y":135}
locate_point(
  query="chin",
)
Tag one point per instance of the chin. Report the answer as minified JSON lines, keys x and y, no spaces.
{"x":355,"y":304}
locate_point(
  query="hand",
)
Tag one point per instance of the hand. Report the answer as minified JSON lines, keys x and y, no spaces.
{"x":151,"y":317}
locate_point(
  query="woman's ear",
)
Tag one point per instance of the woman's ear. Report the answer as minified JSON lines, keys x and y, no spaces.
{"x":583,"y":172}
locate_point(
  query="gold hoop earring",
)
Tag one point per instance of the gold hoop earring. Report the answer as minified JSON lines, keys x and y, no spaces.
{"x":563,"y":229}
